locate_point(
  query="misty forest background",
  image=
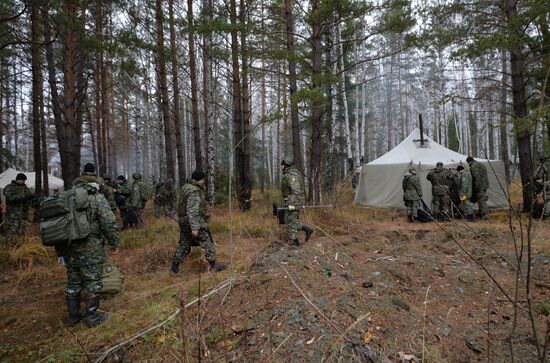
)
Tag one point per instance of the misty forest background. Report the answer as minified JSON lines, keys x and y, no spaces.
{"x":232,"y":86}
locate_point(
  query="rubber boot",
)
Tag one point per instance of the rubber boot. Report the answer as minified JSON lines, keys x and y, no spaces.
{"x":309,"y":231}
{"x":295,"y":243}
{"x":93,"y":316}
{"x":73,"y":305}
{"x":413,"y":219}
{"x":175,"y":269}
{"x":215,"y":267}
{"x":470,"y":217}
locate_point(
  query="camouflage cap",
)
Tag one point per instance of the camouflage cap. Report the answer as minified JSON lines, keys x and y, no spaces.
{"x":136,"y":175}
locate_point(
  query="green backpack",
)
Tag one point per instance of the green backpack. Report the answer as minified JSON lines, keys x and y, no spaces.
{"x":63,"y":218}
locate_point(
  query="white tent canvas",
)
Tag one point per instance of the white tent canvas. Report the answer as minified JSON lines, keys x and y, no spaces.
{"x":380,"y":182}
{"x":7,"y":176}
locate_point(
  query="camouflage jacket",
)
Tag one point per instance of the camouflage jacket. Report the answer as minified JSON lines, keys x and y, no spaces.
{"x":88,"y":178}
{"x":18,"y":198}
{"x":164,"y":194}
{"x":123,"y":190}
{"x":464,"y":183}
{"x":411,"y":187}
{"x":192,"y":205}
{"x":543,"y":171}
{"x":440,"y":179}
{"x":292,"y":187}
{"x":109,"y":192}
{"x":137,"y":197}
{"x":480,"y":181}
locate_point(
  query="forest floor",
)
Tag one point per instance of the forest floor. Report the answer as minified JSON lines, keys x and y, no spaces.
{"x":368,"y":287}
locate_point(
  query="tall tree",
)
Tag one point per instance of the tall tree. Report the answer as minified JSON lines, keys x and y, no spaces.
{"x":37,"y":95}
{"x":176,"y":88}
{"x":194,"y":87}
{"x":163,"y":83}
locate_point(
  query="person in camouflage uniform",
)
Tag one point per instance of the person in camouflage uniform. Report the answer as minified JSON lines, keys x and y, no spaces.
{"x":122,"y":196}
{"x":108,"y":190}
{"x":412,"y":193}
{"x":18,"y":202}
{"x":138,"y":198}
{"x":84,"y":259}
{"x":480,"y":184}
{"x":88,"y":176}
{"x":193,"y":225}
{"x":165,"y":198}
{"x":464,"y":184}
{"x":292,"y":188}
{"x":440,"y":179}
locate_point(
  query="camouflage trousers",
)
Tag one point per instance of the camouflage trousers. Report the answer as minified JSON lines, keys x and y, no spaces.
{"x":482,"y":199}
{"x":84,"y":262}
{"x":412,"y":207}
{"x":164,"y":208}
{"x":16,"y":223}
{"x":293,"y":224}
{"x":441,"y":204}
{"x":204,"y":239}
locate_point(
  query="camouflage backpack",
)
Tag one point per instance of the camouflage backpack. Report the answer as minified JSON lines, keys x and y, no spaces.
{"x":63,"y":218}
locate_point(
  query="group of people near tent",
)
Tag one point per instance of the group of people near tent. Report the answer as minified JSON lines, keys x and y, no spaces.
{"x":453,"y":192}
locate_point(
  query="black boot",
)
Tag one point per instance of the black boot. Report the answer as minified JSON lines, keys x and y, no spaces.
{"x":470,"y":217}
{"x":94,"y":317}
{"x":175,"y":268}
{"x":73,"y":304}
{"x":215,"y":267}
{"x":295,"y":243}
{"x":309,"y":231}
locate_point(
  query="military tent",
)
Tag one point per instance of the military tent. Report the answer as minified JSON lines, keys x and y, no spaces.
{"x":380,"y":182}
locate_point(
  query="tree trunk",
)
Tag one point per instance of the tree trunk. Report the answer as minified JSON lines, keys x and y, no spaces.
{"x":208,"y":101}
{"x":194,"y":87}
{"x":293,"y":88}
{"x":37,"y":94}
{"x":521,"y":124}
{"x":163,"y":83}
{"x":317,"y":106}
{"x":175,"y":85}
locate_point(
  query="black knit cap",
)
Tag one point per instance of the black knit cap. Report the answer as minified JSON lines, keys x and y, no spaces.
{"x":459,"y":168}
{"x":89,"y":168}
{"x":197,"y":175}
{"x":121,"y":177}
{"x":21,"y":176}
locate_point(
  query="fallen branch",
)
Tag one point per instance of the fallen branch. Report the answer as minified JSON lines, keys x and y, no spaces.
{"x":172,"y":316}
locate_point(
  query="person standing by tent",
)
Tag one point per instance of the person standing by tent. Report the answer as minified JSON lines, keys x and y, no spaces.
{"x":193,"y":223}
{"x":412,"y":193}
{"x":440,"y":179}
{"x":292,"y":188}
{"x":480,"y":184}
{"x":18,"y":201}
{"x":464,"y":187}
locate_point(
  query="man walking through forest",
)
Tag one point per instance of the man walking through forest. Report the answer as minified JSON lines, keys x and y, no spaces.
{"x":122,"y":198}
{"x":138,"y":198}
{"x":18,"y":202}
{"x":193,"y":219}
{"x":165,"y":198}
{"x":440,"y":179}
{"x":108,"y":190}
{"x":480,"y":184}
{"x":84,"y":259}
{"x":412,"y":193}
{"x":464,"y":187}
{"x":294,"y":196}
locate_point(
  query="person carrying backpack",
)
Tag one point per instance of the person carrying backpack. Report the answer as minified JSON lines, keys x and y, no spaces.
{"x":84,"y":258}
{"x":18,"y":202}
